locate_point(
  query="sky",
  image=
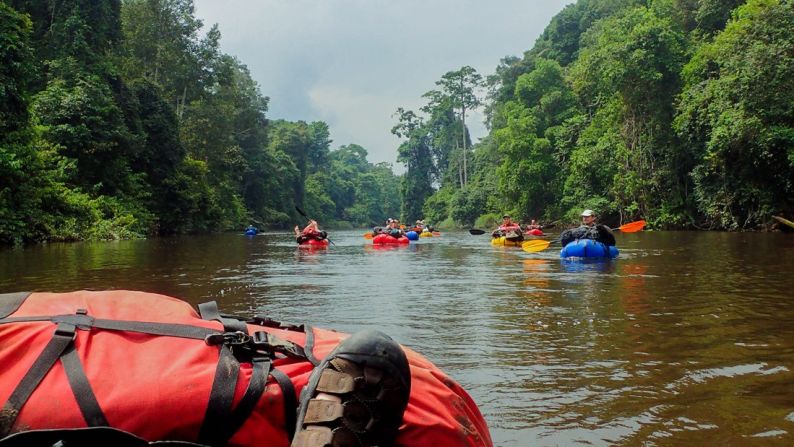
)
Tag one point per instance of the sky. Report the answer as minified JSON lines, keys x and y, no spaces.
{"x":352,"y":63}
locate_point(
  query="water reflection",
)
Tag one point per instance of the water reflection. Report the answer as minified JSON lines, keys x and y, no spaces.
{"x":684,"y":339}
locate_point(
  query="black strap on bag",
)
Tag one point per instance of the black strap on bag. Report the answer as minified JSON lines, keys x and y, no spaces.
{"x":10,"y":302}
{"x":221,"y":421}
{"x":81,"y":388}
{"x":61,"y":339}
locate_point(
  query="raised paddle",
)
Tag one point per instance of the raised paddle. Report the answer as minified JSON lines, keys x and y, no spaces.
{"x":631,"y":227}
{"x":300,"y":211}
{"x":539,"y":244}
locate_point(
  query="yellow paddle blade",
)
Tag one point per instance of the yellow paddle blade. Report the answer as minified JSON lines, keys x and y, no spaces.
{"x":368,"y":236}
{"x":632,"y":227}
{"x":784,"y":221}
{"x":535,"y":245}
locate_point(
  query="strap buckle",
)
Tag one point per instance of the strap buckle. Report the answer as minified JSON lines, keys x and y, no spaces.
{"x":66,"y":330}
{"x":270,"y":343}
{"x":230,"y":339}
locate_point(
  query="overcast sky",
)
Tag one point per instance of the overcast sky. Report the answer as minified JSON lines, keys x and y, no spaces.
{"x":351,"y":63}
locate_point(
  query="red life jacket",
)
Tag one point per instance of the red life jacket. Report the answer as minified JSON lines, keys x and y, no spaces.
{"x":150,"y":365}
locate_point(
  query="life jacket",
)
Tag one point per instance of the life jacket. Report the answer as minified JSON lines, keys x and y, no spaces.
{"x":599,"y":233}
{"x":150,"y":365}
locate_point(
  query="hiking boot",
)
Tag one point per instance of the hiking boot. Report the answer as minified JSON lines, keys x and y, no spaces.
{"x":357,"y":395}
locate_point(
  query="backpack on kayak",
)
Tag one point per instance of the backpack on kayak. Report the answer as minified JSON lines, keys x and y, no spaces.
{"x":140,"y":367}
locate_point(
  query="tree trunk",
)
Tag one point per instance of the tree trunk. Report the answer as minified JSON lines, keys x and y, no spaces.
{"x":463,"y":129}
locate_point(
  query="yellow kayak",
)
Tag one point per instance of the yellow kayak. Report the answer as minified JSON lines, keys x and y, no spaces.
{"x":503,"y":242}
{"x":425,"y":234}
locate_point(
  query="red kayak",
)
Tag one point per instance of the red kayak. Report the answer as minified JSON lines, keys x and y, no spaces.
{"x":385,"y":239}
{"x":314,"y":243}
{"x":534,"y":232}
{"x":153,"y":367}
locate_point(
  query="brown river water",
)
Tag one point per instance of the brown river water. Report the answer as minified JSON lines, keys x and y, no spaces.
{"x":685,"y":339}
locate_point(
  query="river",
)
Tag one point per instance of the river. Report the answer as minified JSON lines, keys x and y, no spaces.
{"x":686,"y":339}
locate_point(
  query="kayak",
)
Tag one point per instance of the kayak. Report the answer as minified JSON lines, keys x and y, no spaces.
{"x":203,"y":377}
{"x":250,"y":232}
{"x":534,"y":232}
{"x":385,"y":239}
{"x":588,"y":248}
{"x":412,"y":235}
{"x":503,"y":242}
{"x":314,"y":243}
{"x":426,"y":234}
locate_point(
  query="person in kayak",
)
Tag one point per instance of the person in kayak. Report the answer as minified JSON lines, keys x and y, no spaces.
{"x":311,"y":231}
{"x":589,"y":229}
{"x":534,"y":225}
{"x":509,"y":229}
{"x":394,"y":229}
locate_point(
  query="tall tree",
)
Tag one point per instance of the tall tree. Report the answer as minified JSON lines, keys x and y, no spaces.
{"x":458,"y":90}
{"x":415,"y":153}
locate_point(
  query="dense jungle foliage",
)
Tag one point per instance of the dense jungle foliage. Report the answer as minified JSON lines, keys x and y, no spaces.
{"x":680,"y":112}
{"x":122,"y":119}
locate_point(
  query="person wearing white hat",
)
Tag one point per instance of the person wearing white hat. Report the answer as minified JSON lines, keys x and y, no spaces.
{"x":589,"y":230}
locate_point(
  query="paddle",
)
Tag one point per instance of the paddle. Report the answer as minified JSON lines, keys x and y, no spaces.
{"x":300,"y":211}
{"x":539,"y":244}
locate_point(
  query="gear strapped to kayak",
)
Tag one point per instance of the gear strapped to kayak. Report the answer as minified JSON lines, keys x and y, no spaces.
{"x":87,"y":366}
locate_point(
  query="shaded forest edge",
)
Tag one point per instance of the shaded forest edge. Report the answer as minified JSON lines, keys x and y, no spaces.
{"x":123,"y":119}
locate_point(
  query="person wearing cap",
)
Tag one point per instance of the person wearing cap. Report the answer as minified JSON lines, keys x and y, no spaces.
{"x":589,"y":229}
{"x":509,"y":229}
{"x":394,"y":229}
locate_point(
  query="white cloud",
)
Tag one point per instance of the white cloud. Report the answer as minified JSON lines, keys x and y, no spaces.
{"x":351,"y":63}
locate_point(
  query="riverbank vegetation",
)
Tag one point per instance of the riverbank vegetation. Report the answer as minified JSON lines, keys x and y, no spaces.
{"x":680,"y":112}
{"x":124,"y":119}
{"x":121,"y":119}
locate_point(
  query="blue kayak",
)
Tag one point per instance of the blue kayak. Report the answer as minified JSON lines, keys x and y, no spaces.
{"x":588,"y":248}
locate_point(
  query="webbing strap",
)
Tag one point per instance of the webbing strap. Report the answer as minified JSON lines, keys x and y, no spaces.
{"x":209,"y":311}
{"x":290,"y":401}
{"x":10,"y":302}
{"x":86,"y":322}
{"x":259,"y":374}
{"x":81,"y":388}
{"x":61,"y":339}
{"x":309,"y":348}
{"x":221,"y":398}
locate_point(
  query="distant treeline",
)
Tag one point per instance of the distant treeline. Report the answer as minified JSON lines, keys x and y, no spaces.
{"x":680,"y":112}
{"x":122,"y":119}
